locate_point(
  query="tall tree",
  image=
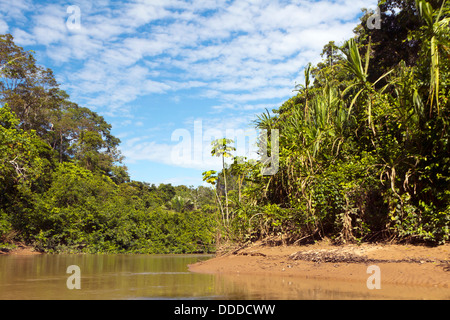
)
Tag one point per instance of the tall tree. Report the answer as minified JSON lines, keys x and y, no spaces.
{"x":30,"y":90}
{"x":221,"y":148}
{"x":390,"y":43}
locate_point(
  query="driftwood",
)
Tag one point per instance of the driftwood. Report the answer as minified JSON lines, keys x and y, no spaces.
{"x":346,"y":257}
{"x":253,"y":254}
{"x":445,"y":265}
{"x":326,"y":256}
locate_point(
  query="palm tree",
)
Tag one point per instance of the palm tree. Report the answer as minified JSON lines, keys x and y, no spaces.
{"x":264,"y":121}
{"x":354,"y":65}
{"x":222,"y":148}
{"x":179,"y":203}
{"x":305,"y":87}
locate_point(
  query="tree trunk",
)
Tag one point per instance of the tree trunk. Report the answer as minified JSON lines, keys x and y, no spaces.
{"x":226,"y":191}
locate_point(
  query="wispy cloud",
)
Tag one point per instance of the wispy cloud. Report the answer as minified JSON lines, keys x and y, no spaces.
{"x":190,"y":145}
{"x":243,"y":55}
{"x":244,"y":50}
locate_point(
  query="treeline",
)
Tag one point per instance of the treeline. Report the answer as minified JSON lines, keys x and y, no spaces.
{"x":62,"y":185}
{"x":364,"y":147}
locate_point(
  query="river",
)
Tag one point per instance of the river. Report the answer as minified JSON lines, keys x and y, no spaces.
{"x":153,"y":277}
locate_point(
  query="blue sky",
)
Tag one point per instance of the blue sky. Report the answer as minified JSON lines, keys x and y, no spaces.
{"x":168,"y":72}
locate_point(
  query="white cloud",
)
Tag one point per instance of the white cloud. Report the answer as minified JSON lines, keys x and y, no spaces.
{"x":241,"y":48}
{"x":247,"y":107}
{"x":3,"y":26}
{"x":190,"y":147}
{"x":23,"y":37}
{"x":186,"y":180}
{"x":15,"y":10}
{"x":247,"y":55}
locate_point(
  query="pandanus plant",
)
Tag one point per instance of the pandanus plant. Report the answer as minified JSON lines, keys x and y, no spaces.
{"x":436,"y":38}
{"x":354,"y":65}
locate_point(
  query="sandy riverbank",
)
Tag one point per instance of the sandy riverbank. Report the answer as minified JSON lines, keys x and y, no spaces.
{"x":399,"y":264}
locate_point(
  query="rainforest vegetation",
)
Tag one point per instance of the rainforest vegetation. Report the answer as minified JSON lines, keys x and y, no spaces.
{"x":364,"y":145}
{"x":364,"y":155}
{"x":63,"y":187}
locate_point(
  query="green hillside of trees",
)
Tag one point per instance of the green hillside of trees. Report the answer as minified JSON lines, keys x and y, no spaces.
{"x":63,"y":187}
{"x":364,"y":155}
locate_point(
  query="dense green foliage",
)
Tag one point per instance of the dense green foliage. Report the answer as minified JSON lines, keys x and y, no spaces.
{"x":62,"y":185}
{"x":364,"y":146}
{"x":364,"y":155}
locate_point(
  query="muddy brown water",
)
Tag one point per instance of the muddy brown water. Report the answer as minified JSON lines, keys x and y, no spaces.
{"x":167,"y":277}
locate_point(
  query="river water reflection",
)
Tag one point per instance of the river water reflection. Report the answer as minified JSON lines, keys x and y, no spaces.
{"x":164,"y":277}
